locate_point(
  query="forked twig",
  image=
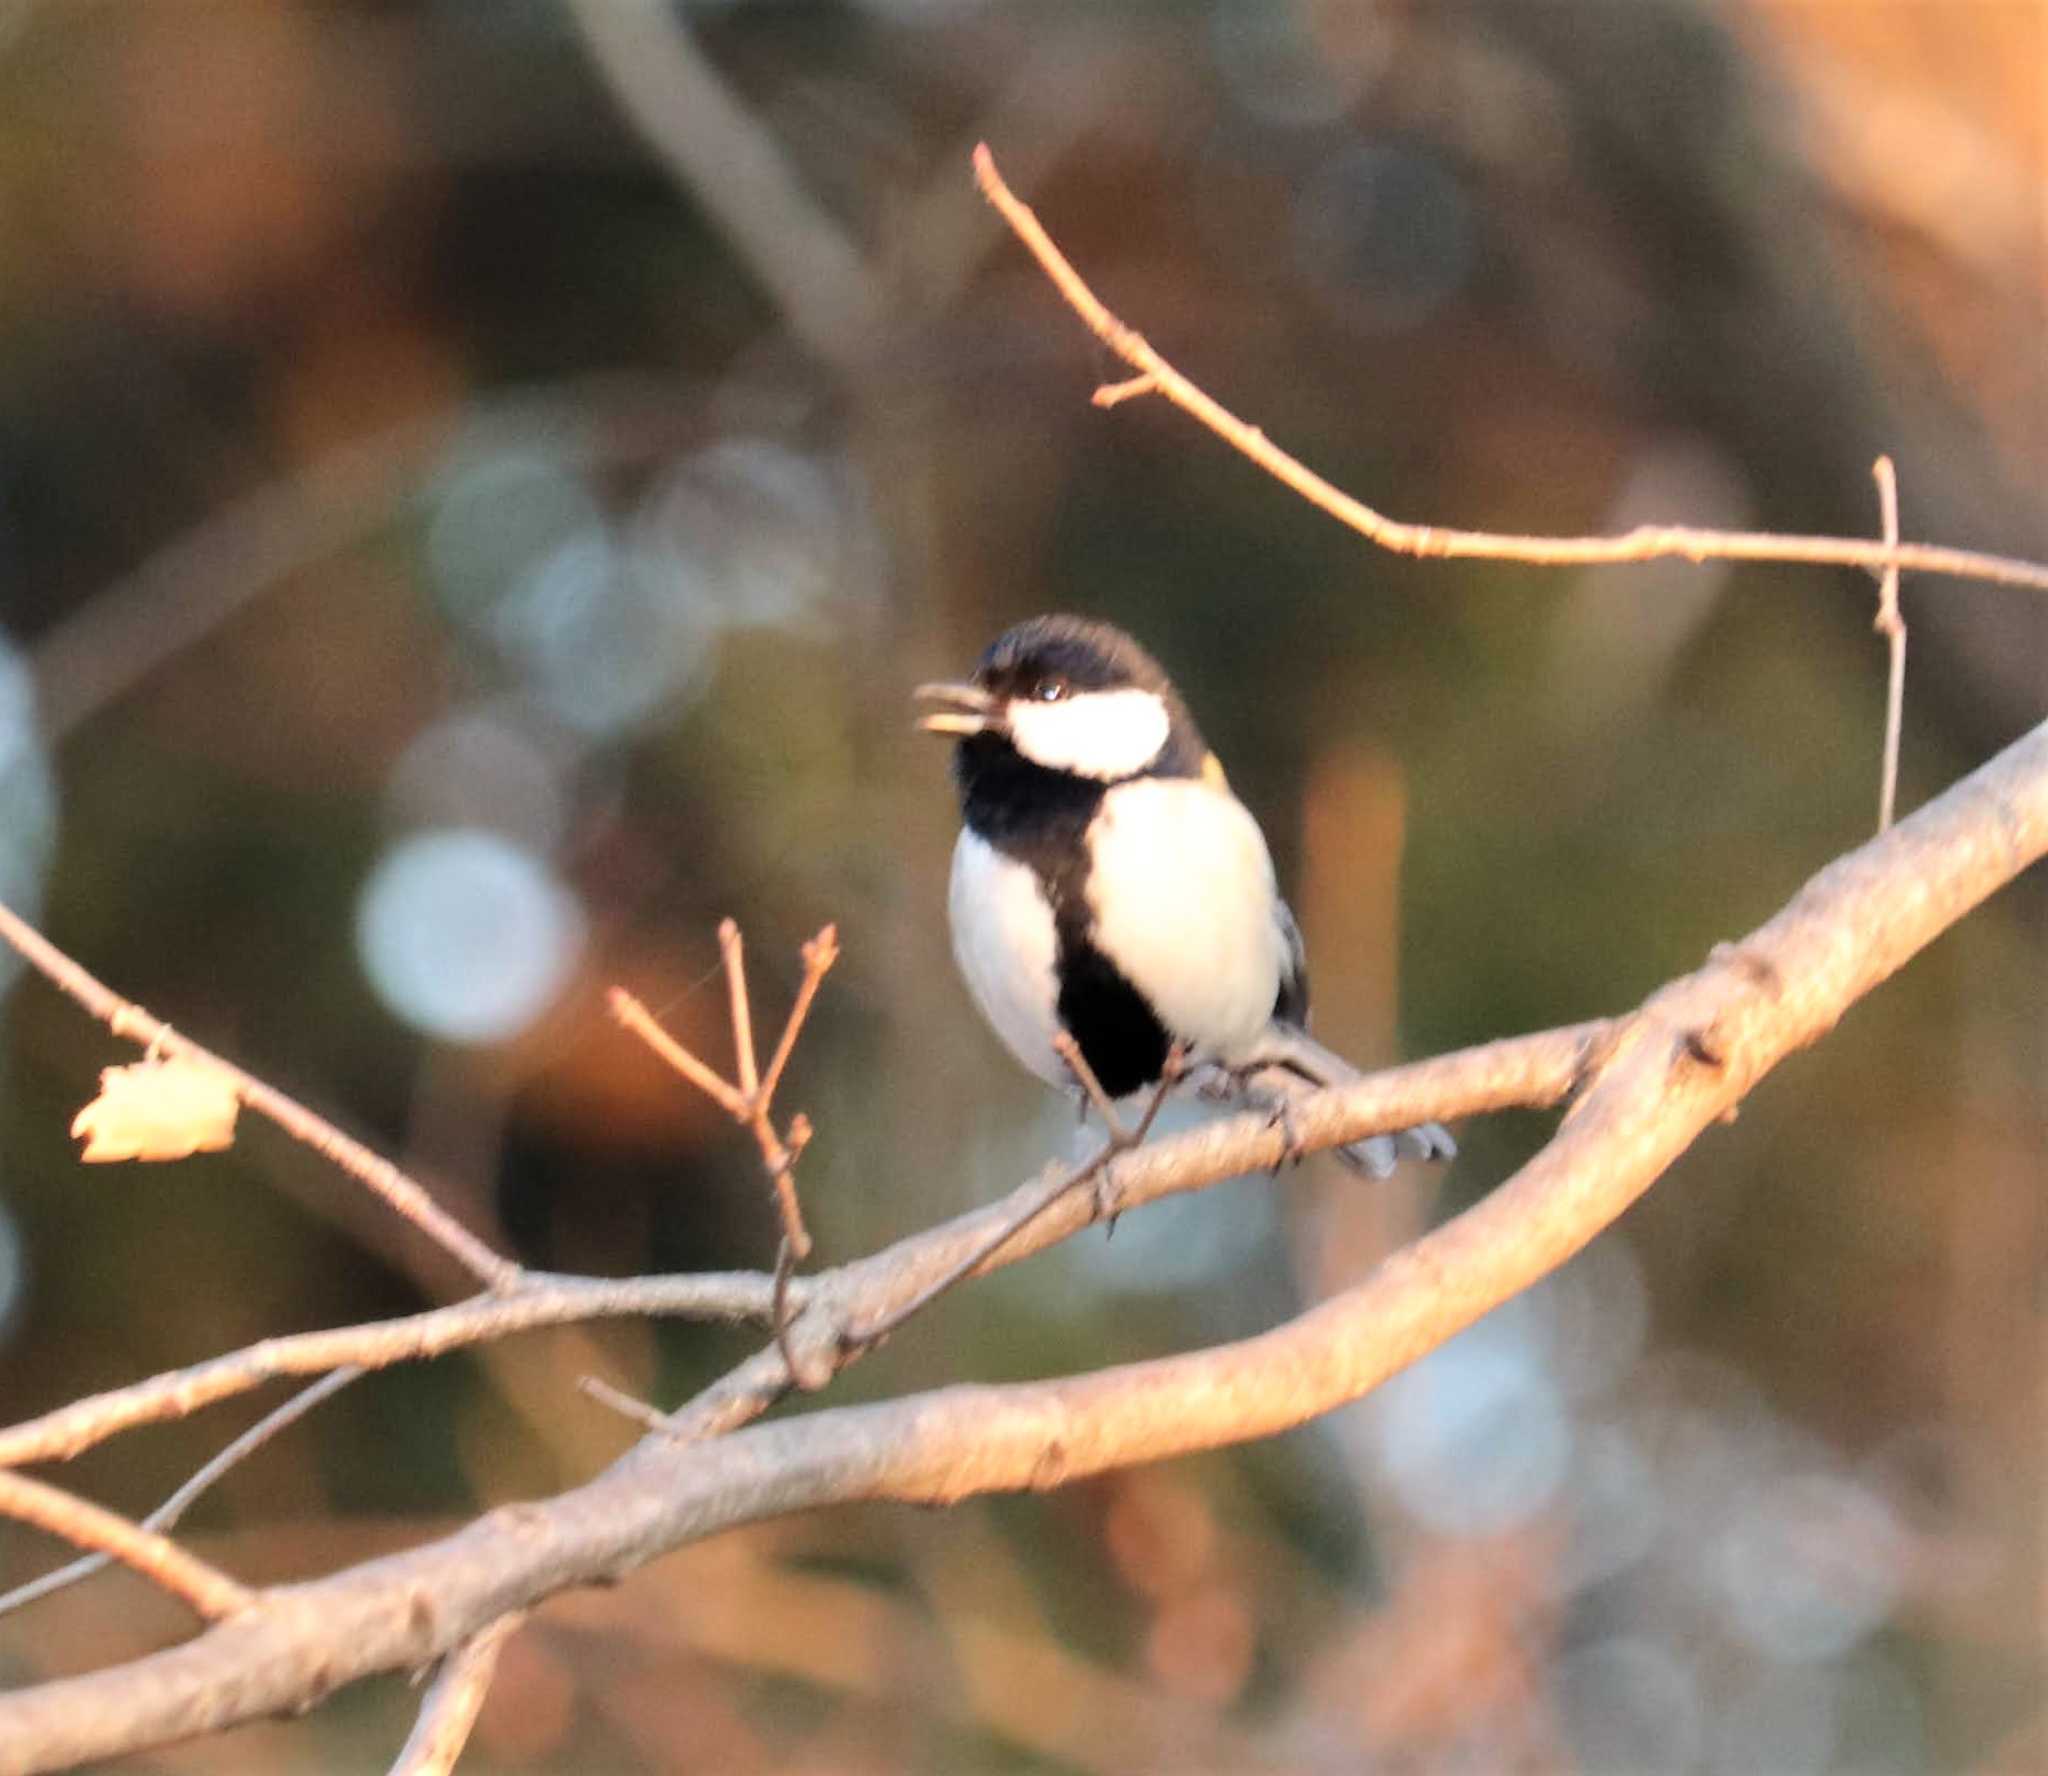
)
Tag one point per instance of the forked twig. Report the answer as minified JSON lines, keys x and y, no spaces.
{"x":1648,"y":542}
{"x":1891,"y":624}
{"x":750,"y":1101}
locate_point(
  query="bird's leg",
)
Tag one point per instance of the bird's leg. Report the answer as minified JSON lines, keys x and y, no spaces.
{"x":1121,"y":1138}
{"x":1172,"y":1071}
{"x":1084,"y":1076}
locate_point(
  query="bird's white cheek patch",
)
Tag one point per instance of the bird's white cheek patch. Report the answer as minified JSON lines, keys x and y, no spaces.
{"x":1104,"y":734}
{"x":1003,"y":940}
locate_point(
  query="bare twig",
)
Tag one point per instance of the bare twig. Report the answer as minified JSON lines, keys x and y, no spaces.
{"x":852,"y":1307}
{"x":1096,"y":1166}
{"x":541,"y":1300}
{"x":1647,"y":542}
{"x":188,"y":589}
{"x":750,"y":1100}
{"x":1892,"y":626}
{"x":648,"y":1418}
{"x":449,"y":1709}
{"x":785,"y":1268}
{"x":818,"y":955}
{"x":637,"y":1018}
{"x":1523,"y":1072}
{"x":377,"y":1173}
{"x":733,"y":167}
{"x":166,"y":1516}
{"x":207,"y":1590}
{"x":1673,"y":1068}
{"x":734,"y":954}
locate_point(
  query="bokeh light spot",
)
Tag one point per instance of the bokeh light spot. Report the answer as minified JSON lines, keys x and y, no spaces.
{"x":1474,"y":1437}
{"x":466,"y":936}
{"x":1809,"y":1565}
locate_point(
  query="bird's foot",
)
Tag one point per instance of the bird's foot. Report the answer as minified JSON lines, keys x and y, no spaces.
{"x":1292,"y":1151}
{"x":1108,"y":1197}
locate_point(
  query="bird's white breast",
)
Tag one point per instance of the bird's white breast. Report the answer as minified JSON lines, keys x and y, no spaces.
{"x":1004,"y":942}
{"x":1185,"y":905}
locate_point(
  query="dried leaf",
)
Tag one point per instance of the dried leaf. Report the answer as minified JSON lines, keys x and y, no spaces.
{"x":158,"y":1109}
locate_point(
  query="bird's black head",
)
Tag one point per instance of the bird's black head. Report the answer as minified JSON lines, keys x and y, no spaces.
{"x":1070,"y":698}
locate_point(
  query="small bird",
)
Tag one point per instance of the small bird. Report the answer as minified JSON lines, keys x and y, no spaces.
{"x":1109,"y":885}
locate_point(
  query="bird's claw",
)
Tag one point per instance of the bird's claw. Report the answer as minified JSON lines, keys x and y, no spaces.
{"x":1292,"y":1152}
{"x":1107,"y":1197}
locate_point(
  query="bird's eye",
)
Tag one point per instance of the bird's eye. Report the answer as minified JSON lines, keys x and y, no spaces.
{"x":1050,"y":690}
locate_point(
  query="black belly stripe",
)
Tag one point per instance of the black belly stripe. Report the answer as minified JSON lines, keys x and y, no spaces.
{"x":1041,"y":818}
{"x":1121,"y":1037}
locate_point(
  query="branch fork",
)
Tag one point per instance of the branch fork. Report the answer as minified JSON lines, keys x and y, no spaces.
{"x":749,"y":1097}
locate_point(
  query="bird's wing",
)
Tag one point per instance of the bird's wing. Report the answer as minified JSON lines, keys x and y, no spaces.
{"x":1291,"y":1008}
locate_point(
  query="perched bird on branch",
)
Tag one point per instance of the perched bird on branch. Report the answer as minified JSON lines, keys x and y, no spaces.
{"x":1109,"y":888}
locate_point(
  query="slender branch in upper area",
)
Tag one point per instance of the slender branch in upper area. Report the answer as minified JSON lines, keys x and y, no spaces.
{"x":209,"y":1591}
{"x":733,"y":166}
{"x":1660,"y":1077}
{"x":130,"y":1021}
{"x":453,"y":1700}
{"x":1891,"y":624}
{"x":1647,"y":542}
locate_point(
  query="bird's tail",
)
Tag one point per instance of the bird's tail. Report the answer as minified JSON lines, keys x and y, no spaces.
{"x":1293,"y":1064}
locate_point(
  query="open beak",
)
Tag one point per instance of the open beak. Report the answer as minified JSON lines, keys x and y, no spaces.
{"x":958,"y":709}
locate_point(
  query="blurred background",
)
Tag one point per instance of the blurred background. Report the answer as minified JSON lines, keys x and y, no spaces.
{"x":477,"y":484}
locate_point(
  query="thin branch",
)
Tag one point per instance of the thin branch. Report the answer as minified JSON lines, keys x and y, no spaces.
{"x":636,"y":1017}
{"x":167,"y":1515}
{"x":852,"y":1308}
{"x":201,"y":580}
{"x":841,"y":1308}
{"x":1648,"y":542}
{"x":673,"y":96}
{"x":1892,"y":626}
{"x":750,"y":1098}
{"x":1677,"y":1065}
{"x":648,"y":1418}
{"x":209,"y":1592}
{"x":129,"y":1020}
{"x":541,"y":1300}
{"x":449,"y":1709}
{"x":747,"y":1075}
{"x":1095,"y":1167}
{"x":818,"y":956}
{"x":785,"y":1269}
